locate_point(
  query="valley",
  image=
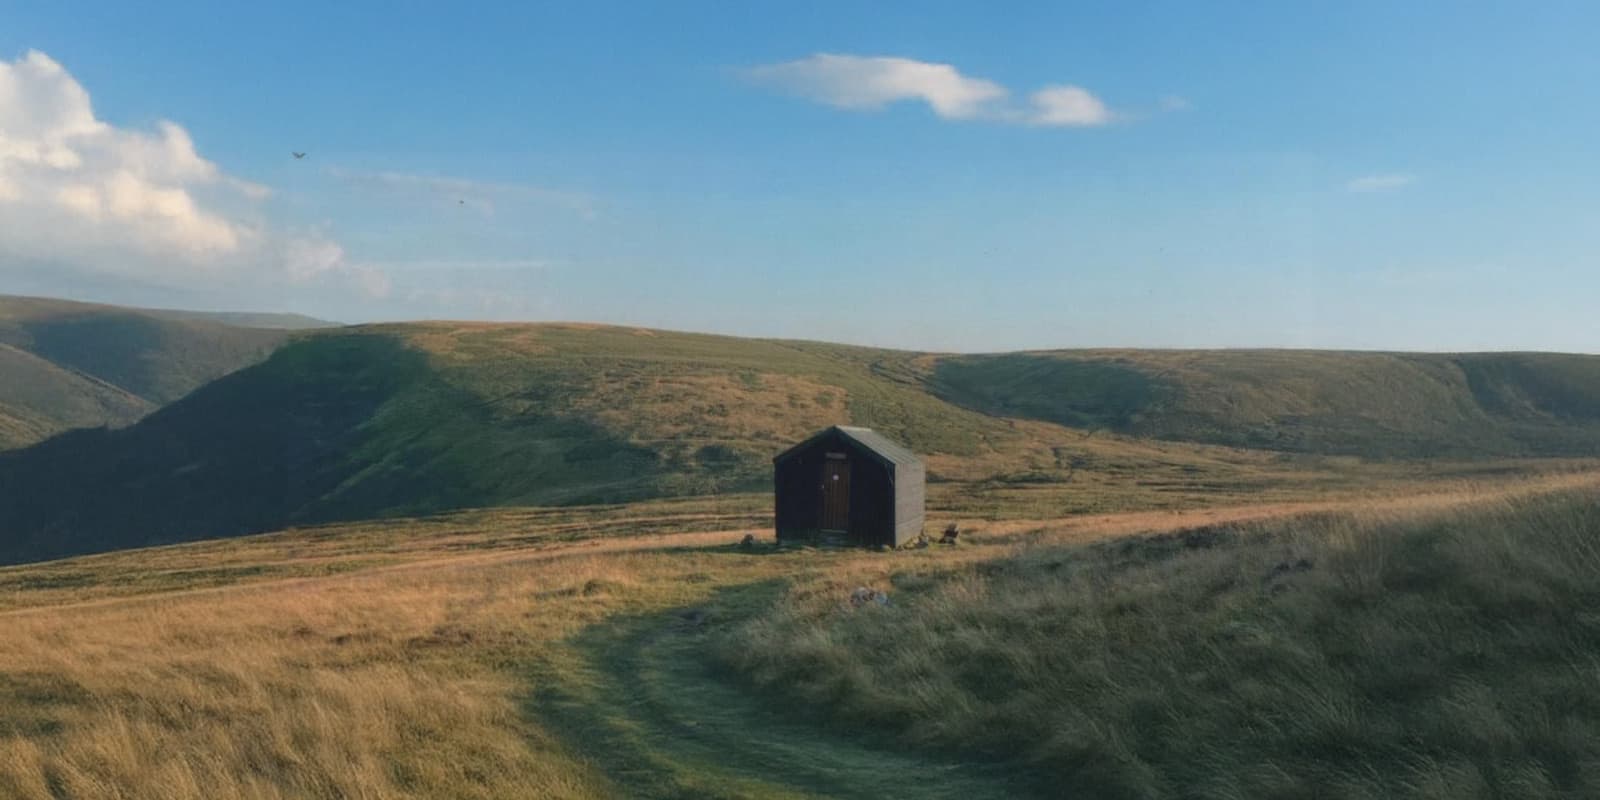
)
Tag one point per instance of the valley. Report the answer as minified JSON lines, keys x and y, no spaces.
{"x":484,"y":560}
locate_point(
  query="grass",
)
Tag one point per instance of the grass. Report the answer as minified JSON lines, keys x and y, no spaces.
{"x":416,"y":419}
{"x":507,"y":569}
{"x":1376,"y":652}
{"x":1377,"y":405}
{"x":66,"y":365}
{"x":574,"y":652}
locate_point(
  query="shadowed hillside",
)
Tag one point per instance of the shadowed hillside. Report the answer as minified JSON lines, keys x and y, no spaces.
{"x":411,"y":419}
{"x":67,"y":365}
{"x":387,"y":420}
{"x":1388,"y":405}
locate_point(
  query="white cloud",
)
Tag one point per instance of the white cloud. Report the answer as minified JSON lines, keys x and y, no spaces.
{"x":482,"y":196}
{"x":870,"y":82}
{"x":1386,"y":182}
{"x":865,"y":83}
{"x":1068,"y":106}
{"x":82,"y":195}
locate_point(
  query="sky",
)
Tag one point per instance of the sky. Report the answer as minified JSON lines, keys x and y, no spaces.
{"x":938,"y":176}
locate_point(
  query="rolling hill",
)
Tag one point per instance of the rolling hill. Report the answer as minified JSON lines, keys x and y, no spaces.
{"x":246,"y":319}
{"x":389,"y":420}
{"x":1384,"y":405}
{"x":66,"y":365}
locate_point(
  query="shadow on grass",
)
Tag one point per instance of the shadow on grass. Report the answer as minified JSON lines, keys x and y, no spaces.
{"x":642,"y":698}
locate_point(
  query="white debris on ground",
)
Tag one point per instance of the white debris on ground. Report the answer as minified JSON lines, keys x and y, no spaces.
{"x":864,"y":595}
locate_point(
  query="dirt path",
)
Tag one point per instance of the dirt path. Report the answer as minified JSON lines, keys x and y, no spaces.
{"x":653,"y":712}
{"x":639,"y":696}
{"x":1054,"y":531}
{"x":661,"y":721}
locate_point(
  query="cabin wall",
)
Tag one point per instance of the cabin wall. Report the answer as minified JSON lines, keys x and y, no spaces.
{"x":797,"y":511}
{"x":910,"y":502}
{"x":886,"y":500}
{"x":871,"y":501}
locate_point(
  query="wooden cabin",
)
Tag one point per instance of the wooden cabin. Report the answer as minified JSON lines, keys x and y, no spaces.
{"x":851,"y":485}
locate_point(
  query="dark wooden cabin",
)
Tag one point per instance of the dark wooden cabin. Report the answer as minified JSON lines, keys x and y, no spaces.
{"x":852,"y":484}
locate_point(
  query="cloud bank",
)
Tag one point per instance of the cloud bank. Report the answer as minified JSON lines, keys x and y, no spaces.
{"x":80,"y":194}
{"x":865,"y":83}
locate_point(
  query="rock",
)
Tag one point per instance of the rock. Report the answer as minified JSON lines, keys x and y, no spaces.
{"x":864,"y":595}
{"x":951,"y":533}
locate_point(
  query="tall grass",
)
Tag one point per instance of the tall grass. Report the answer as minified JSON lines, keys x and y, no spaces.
{"x":1422,"y":653}
{"x":366,"y":689}
{"x":563,"y":653}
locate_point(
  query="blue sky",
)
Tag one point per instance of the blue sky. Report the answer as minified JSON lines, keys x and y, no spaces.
{"x":962,"y":177}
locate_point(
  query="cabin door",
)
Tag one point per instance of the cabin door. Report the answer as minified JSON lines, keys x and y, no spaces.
{"x":835,"y":494}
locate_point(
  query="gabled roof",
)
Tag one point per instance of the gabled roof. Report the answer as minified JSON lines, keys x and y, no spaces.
{"x":870,"y":440}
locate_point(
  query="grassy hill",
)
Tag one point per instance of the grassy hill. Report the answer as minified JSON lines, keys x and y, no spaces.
{"x":387,"y":420}
{"x":246,"y":319}
{"x":1393,"y":405}
{"x":66,"y":365}
{"x":1375,"y":652}
{"x":409,"y":419}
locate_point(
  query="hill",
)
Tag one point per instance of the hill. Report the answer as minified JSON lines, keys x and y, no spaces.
{"x":1374,"y":651}
{"x":1382,"y":405}
{"x":66,"y":365}
{"x":388,"y":420}
{"x":247,"y":319}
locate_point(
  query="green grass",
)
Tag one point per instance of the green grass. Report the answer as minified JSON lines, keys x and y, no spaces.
{"x":67,"y":365}
{"x":1377,"y":405}
{"x":1419,"y":654}
{"x":414,"y":419}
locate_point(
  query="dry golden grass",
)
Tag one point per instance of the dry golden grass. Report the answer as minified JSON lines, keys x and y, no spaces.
{"x":399,"y":660}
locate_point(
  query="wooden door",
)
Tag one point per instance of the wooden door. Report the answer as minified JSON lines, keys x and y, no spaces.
{"x":836,"y":495}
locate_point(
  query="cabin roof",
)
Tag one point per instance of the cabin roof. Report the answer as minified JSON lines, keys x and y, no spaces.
{"x":871,"y":440}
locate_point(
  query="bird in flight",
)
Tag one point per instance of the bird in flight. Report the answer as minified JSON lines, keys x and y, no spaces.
{"x":298,"y":156}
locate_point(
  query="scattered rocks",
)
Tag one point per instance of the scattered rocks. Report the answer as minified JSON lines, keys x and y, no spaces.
{"x":864,"y":595}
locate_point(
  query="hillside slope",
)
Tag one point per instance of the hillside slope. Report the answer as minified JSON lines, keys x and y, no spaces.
{"x":67,"y":365}
{"x":373,"y":421}
{"x":1390,"y":405}
{"x":409,"y":419}
{"x":246,"y":319}
{"x":1429,"y":652}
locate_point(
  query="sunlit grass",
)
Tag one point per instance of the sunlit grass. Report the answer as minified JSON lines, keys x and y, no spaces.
{"x":568,"y":653}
